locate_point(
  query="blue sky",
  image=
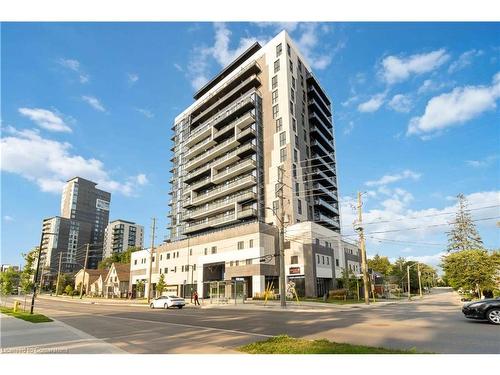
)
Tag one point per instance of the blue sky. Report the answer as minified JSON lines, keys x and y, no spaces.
{"x":415,"y":109}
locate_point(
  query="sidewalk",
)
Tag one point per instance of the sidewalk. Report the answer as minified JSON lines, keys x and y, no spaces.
{"x":20,"y":337}
{"x":95,"y":301}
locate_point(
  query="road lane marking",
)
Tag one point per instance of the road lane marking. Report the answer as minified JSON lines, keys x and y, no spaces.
{"x":188,"y":326}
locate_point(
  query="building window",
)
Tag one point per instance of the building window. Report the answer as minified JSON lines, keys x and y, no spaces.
{"x":279,"y":48}
{"x":282,"y":139}
{"x":274,"y":82}
{"x":292,"y":95}
{"x":165,"y":270}
{"x":250,"y":243}
{"x":288,"y":49}
{"x":275,"y":111}
{"x":241,"y":245}
{"x":323,"y":259}
{"x":214,"y":249}
{"x":277,"y":66}
{"x":295,"y":155}
{"x":305,"y":135}
{"x":337,"y":262}
{"x":182,"y":270}
{"x":249,"y":261}
{"x":297,"y":189}
{"x":299,"y":207}
{"x":293,"y":83}
{"x":291,"y":107}
{"x":275,"y":96}
{"x":296,"y":140}
{"x":299,"y":65}
{"x":175,"y":269}
{"x":190,"y":251}
{"x":294,"y":171}
{"x":291,"y":66}
{"x":231,"y":263}
{"x":206,"y":251}
{"x":294,"y":259}
{"x":282,"y":155}
{"x":294,"y":124}
{"x":317,"y":258}
{"x":275,"y":207}
{"x":279,"y":124}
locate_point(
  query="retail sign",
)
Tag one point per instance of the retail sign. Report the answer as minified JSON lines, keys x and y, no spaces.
{"x":102,"y":204}
{"x":294,"y":270}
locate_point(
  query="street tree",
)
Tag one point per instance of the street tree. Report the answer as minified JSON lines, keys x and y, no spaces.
{"x":27,"y":274}
{"x":380,"y":264}
{"x":463,"y":235}
{"x":123,"y":258}
{"x":161,"y":286}
{"x":68,"y":290}
{"x":139,"y":286}
{"x":471,"y":270}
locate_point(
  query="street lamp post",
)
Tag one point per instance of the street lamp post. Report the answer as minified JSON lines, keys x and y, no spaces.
{"x":37,"y":269}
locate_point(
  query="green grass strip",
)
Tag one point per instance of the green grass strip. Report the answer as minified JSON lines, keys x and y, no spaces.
{"x":33,"y":318}
{"x":284,"y":344}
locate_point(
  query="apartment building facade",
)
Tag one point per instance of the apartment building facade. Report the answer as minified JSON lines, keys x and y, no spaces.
{"x":84,"y":216}
{"x":265,"y":117}
{"x":119,"y":235}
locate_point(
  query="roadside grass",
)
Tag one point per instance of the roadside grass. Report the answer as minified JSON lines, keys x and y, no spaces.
{"x":35,"y":318}
{"x":284,"y":344}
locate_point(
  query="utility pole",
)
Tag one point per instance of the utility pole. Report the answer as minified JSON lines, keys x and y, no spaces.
{"x":282,"y":238}
{"x":151,"y":254}
{"x":419,"y":280}
{"x":58,"y":274}
{"x":408,"y":274}
{"x":37,"y":270}
{"x":364,"y":263}
{"x":84,"y":270}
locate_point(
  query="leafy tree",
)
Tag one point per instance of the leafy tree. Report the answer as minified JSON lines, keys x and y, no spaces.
{"x":27,"y":274}
{"x":160,"y":287}
{"x":139,"y":286}
{"x":9,"y":281}
{"x":123,"y":258}
{"x":471,"y":269}
{"x":380,"y":264}
{"x":464,"y":235}
{"x":64,"y":280}
{"x":69,"y":290}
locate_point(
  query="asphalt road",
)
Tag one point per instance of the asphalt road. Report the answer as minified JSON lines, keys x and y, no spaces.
{"x":435,"y":324}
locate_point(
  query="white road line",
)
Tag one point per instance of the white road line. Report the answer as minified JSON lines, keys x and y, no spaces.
{"x":188,"y":326}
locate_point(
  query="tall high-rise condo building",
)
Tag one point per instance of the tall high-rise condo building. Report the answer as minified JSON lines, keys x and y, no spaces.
{"x":84,"y":217}
{"x":263,"y":111}
{"x":263,"y":117}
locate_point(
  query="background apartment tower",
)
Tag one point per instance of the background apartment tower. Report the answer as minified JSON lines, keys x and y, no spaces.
{"x":120,"y":235}
{"x":84,"y":216}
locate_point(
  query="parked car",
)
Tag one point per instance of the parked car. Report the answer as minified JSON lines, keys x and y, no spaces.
{"x":486,"y":309}
{"x":164,"y":302}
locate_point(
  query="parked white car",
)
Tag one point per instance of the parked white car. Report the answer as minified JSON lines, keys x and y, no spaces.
{"x":164,"y":302}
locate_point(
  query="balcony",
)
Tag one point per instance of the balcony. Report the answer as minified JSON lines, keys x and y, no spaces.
{"x":334,"y":207}
{"x":318,"y":173}
{"x":316,"y":133}
{"x":200,"y":148}
{"x":221,"y":190}
{"x":225,"y":205}
{"x":314,"y":93}
{"x":319,"y":162}
{"x":210,"y":223}
{"x":240,"y":168}
{"x":327,"y":220}
{"x":325,"y":152}
{"x":314,"y":106}
{"x":243,"y":86}
{"x":202,"y":183}
{"x":325,"y":191}
{"x":247,"y":213}
{"x":324,"y":127}
{"x":250,"y":68}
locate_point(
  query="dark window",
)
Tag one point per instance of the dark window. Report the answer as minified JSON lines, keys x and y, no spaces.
{"x":279,"y":48}
{"x":241,"y":245}
{"x":274,"y":82}
{"x":282,"y":139}
{"x":294,"y":259}
{"x":279,"y":124}
{"x":276,"y":66}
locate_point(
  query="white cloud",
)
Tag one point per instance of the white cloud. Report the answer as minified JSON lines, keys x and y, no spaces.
{"x":309,"y":40}
{"x":50,"y":163}
{"x":429,"y":85}
{"x":349,"y":128}
{"x":349,"y":101}
{"x":178,"y":67}
{"x":487,"y":161}
{"x":396,"y":69}
{"x":400,"y":103}
{"x":464,"y":60}
{"x":132,"y":78}
{"x":373,"y":104}
{"x":75,"y":66}
{"x":146,"y":112}
{"x":389,"y":179}
{"x":142,"y":179}
{"x":94,"y":103}
{"x":392,"y":215}
{"x":46,"y":119}
{"x":456,"y":107}
{"x":8,"y":218}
